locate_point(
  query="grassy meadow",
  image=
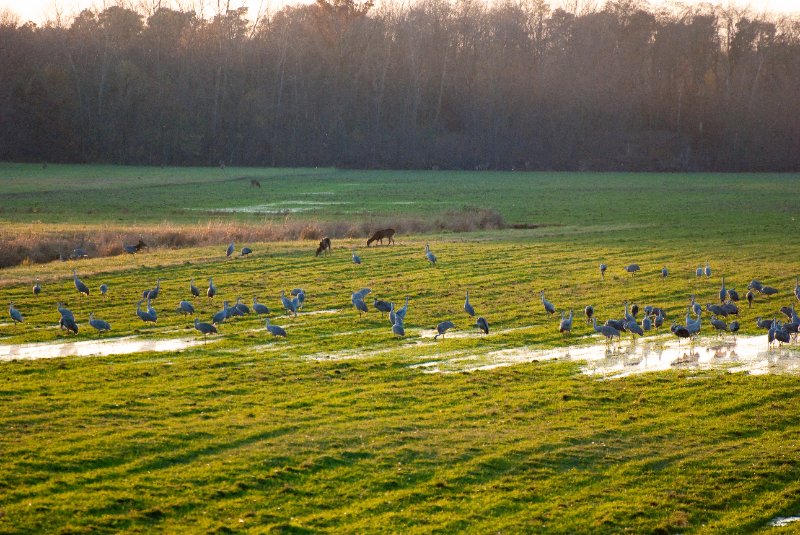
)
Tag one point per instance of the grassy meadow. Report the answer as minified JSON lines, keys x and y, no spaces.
{"x":336,"y":428}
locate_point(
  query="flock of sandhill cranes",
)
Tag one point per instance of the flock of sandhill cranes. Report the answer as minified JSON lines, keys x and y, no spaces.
{"x":653,"y":317}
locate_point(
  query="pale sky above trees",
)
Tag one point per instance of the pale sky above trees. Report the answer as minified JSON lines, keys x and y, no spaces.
{"x":40,"y":11}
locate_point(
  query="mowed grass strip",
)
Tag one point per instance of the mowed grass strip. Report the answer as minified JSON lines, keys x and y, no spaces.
{"x":209,"y":440}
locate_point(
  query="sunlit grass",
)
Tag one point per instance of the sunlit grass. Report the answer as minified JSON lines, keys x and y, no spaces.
{"x":333,"y":429}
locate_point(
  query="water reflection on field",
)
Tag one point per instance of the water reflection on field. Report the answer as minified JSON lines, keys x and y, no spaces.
{"x":742,"y":354}
{"x":85,"y":348}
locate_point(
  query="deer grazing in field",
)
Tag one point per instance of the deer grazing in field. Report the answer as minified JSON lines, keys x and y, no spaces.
{"x":324,"y":246}
{"x":379,"y":235}
{"x":255,"y":183}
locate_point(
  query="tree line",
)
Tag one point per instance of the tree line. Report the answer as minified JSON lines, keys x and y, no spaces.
{"x":433,"y":84}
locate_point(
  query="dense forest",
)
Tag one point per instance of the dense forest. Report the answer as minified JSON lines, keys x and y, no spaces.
{"x":431,"y":84}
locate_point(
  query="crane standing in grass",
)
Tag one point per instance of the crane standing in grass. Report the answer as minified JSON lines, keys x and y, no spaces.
{"x":205,"y":328}
{"x":468,"y":307}
{"x":548,"y":306}
{"x":99,"y":325}
{"x":275,"y":330}
{"x":16,"y":315}
{"x":212,"y":290}
{"x":429,"y":255}
{"x":79,"y":285}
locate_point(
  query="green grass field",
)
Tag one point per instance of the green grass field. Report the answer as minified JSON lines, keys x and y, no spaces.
{"x":336,"y":428}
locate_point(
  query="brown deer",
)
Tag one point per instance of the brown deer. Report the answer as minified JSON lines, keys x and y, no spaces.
{"x":379,"y":235}
{"x":324,"y":246}
{"x":255,"y":183}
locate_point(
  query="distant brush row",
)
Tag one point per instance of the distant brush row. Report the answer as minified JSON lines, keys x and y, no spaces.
{"x":40,"y":247}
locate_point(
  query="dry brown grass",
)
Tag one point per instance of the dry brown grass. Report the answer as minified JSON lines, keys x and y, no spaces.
{"x":44,"y":243}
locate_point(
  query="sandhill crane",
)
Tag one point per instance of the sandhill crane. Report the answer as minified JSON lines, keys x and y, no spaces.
{"x":782,"y":336}
{"x":100,"y":325}
{"x":664,"y":272}
{"x":680,"y":331}
{"x":733,"y":327}
{"x":589,"y":311}
{"x":755,"y":285}
{"x":130,"y":249}
{"x":299,"y":298}
{"x":768,"y":290}
{"x":212,"y":290}
{"x":695,"y":325}
{"x":716,"y":310}
{"x":402,"y":312}
{"x":186,"y":307}
{"x":719,"y":325}
{"x":234,"y":312}
{"x":229,"y":250}
{"x":730,"y":309}
{"x":796,"y":288}
{"x":548,"y":306}
{"x":398,"y":329}
{"x":205,"y":328}
{"x":359,"y":303}
{"x":606,"y":330}
{"x":194,"y":290}
{"x":221,"y":315}
{"x":104,"y":290}
{"x":241,"y":307}
{"x":288,"y":304}
{"x":659,"y":320}
{"x":468,"y":307}
{"x":79,"y":285}
{"x":429,"y":255}
{"x":565,"y":327}
{"x":762,"y":323}
{"x":245,"y":251}
{"x":723,"y":293}
{"x":707,"y":270}
{"x":356,"y":258}
{"x":15,"y":314}
{"x":392,"y":315}
{"x":37,"y":288}
{"x":750,"y":296}
{"x":634,"y":329}
{"x":363,"y":292}
{"x":696,"y":308}
{"x":733,"y":295}
{"x":603,"y":269}
{"x":647,"y":323}
{"x":64,"y":311}
{"x":619,"y":325}
{"x":144,"y":315}
{"x":482,"y":324}
{"x":68,"y":323}
{"x":699,"y":271}
{"x":382,"y":306}
{"x":274,"y":330}
{"x":258,"y":308}
{"x":153,"y":292}
{"x":442,"y":328}
{"x":632,"y":268}
{"x":628,"y":316}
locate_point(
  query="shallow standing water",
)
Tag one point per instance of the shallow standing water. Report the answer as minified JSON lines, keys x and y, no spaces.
{"x":742,"y":354}
{"x":100,"y":347}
